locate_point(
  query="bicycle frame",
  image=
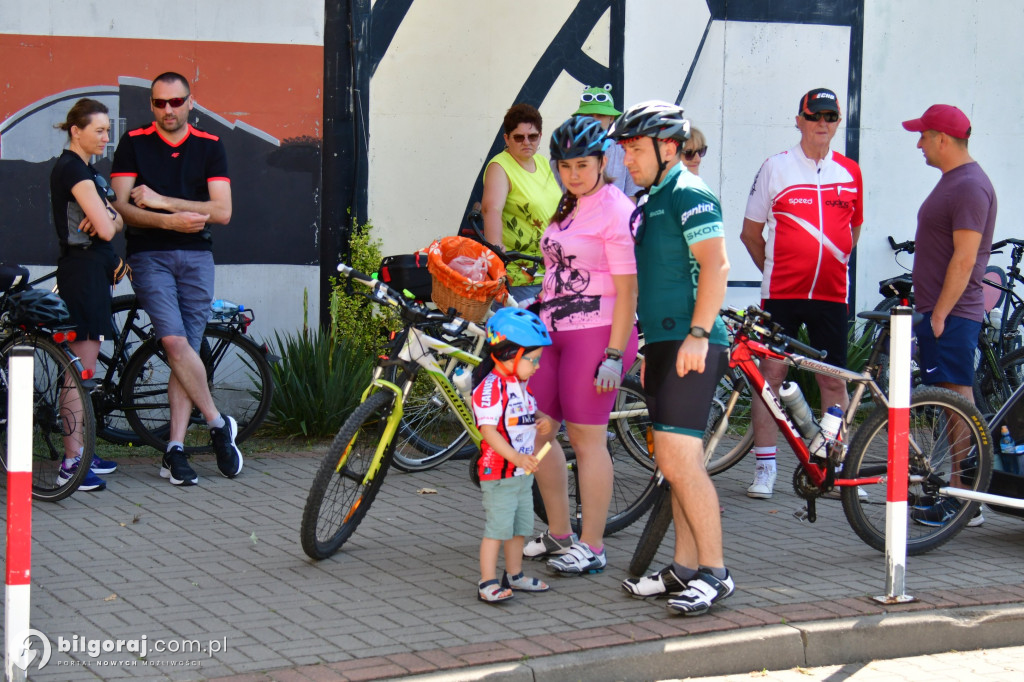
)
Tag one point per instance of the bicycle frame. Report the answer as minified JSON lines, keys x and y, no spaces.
{"x":420,"y":348}
{"x":742,"y":356}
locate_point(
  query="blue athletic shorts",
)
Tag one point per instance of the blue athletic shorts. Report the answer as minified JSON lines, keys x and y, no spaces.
{"x":508,"y":503}
{"x":175,"y":289}
{"x":948,"y":359}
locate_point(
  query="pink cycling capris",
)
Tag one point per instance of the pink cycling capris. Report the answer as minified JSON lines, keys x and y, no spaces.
{"x":564,"y":382}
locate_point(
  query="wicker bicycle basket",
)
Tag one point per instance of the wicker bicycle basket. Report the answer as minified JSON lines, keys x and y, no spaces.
{"x":452,"y":290}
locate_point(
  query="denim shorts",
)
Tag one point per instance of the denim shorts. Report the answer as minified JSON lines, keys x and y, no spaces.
{"x":508,"y":503}
{"x":175,"y":289}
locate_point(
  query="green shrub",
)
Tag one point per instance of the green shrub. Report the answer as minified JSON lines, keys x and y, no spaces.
{"x":364,"y":322}
{"x":318,"y":382}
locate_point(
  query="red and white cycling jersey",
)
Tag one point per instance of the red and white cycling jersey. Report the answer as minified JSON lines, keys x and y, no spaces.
{"x":810,"y":209}
{"x":504,"y":402}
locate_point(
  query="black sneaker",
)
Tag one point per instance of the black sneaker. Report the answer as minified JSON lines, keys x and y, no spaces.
{"x":229,"y":457}
{"x":175,"y":467}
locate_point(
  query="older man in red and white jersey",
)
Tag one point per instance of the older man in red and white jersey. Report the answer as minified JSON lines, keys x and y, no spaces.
{"x":802,"y":221}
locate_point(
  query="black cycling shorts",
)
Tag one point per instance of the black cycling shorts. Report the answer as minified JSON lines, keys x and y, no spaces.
{"x":681,"y":404}
{"x":827,"y":325}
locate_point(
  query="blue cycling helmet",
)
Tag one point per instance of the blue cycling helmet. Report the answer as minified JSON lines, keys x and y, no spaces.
{"x":516,"y":327}
{"x":579,"y":136}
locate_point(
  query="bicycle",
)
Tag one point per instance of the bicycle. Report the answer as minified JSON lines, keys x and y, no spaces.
{"x":950,"y":446}
{"x":358,"y":459}
{"x":991,"y":386}
{"x":57,"y":373}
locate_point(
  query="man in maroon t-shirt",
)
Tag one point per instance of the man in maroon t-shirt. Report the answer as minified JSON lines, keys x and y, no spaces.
{"x":953,"y":242}
{"x":954,"y":238}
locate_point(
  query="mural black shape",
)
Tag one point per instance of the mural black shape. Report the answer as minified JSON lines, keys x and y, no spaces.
{"x":275,"y":195}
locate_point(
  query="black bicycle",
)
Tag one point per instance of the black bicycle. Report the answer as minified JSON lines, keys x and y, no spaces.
{"x":61,"y":407}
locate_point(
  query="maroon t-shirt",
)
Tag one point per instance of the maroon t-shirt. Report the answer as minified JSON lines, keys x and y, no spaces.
{"x":964,"y":199}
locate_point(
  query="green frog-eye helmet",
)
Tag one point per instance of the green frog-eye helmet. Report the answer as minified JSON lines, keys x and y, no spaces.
{"x":578,"y":137}
{"x":514,"y":328}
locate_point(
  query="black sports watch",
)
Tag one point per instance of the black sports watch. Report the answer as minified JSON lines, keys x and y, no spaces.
{"x":699,"y":332}
{"x":613,"y":353}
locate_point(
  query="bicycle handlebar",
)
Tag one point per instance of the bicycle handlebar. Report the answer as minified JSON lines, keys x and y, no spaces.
{"x":475,"y":219}
{"x":753,"y":319}
{"x":907,"y":246}
{"x":416,"y":312}
{"x":1011,"y":240}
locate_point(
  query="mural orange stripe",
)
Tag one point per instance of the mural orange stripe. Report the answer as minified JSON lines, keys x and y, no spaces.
{"x":276,"y":88}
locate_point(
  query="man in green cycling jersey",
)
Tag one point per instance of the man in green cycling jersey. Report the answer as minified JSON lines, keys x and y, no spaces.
{"x":682,"y":272}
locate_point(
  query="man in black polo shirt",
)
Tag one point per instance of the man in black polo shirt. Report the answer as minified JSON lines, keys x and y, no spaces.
{"x":171,"y":182}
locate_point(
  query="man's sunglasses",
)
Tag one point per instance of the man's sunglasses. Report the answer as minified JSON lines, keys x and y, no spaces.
{"x":175,"y":102}
{"x":689,"y":153}
{"x":520,"y":138}
{"x":829,"y":116}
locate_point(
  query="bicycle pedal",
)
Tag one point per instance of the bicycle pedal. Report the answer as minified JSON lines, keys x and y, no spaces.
{"x":801,"y":514}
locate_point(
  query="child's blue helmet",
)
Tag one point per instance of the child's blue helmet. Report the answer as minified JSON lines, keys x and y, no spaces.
{"x":516,"y":327}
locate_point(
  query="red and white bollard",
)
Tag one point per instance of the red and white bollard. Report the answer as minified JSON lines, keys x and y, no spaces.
{"x":19,"y":509}
{"x":900,"y":334}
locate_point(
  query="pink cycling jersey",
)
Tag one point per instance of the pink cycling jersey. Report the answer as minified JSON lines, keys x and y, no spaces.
{"x":810,"y":209}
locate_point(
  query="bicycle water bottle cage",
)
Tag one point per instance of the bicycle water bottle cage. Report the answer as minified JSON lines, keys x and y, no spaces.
{"x":899,"y":286}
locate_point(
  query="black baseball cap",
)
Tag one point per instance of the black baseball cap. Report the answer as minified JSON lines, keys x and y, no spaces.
{"x":819,"y":99}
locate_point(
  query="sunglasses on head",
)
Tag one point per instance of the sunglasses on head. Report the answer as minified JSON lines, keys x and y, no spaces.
{"x":599,"y":97}
{"x":829,"y":116}
{"x":520,"y":138}
{"x":175,"y":102}
{"x":688,"y":154}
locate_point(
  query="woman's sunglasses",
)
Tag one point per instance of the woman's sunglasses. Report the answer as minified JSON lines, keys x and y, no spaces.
{"x":689,"y":153}
{"x":520,"y":138}
{"x":104,"y":188}
{"x":829,"y":116}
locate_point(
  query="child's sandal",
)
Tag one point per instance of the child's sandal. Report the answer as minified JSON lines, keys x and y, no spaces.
{"x":493,"y":592}
{"x":523,"y":584}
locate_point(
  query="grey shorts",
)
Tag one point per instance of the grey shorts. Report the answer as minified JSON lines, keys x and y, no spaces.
{"x":509,"y":506}
{"x":175,"y":289}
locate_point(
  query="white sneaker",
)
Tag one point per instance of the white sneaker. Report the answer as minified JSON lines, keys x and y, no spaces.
{"x":764,"y":481}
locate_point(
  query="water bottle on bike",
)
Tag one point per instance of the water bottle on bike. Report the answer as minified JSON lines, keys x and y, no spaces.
{"x":799,"y":411}
{"x":830,"y":424}
{"x":225,"y":310}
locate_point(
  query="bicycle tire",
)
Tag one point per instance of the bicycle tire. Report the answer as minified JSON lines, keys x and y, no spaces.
{"x":340,"y":495}
{"x":655,"y":529}
{"x":429,"y":433}
{"x":633,"y":490}
{"x":738,"y":438}
{"x":54,"y":366}
{"x":935,"y":413}
{"x":111,"y":423}
{"x":238,"y":375}
{"x":634,"y":430}
{"x":1013,"y":337}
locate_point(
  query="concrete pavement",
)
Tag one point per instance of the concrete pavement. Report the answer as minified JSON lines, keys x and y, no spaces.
{"x":211,"y":579}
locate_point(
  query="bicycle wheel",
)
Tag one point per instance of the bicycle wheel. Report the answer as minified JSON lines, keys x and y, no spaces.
{"x":430,"y":432}
{"x":737,"y":438}
{"x":949,"y":446}
{"x":61,"y":407}
{"x":348,"y":478}
{"x":238,"y":376}
{"x":131,"y":328}
{"x":631,"y":422}
{"x":1013,"y":334}
{"x":654,"y":532}
{"x":634,"y":485}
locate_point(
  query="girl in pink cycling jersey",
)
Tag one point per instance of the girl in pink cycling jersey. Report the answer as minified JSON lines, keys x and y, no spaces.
{"x":588,"y":303}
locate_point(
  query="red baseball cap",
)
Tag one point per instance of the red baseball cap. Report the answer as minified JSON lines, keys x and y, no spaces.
{"x":943,"y":118}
